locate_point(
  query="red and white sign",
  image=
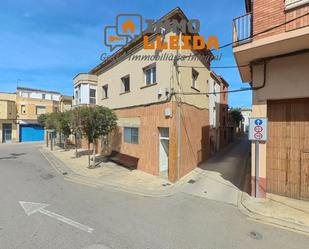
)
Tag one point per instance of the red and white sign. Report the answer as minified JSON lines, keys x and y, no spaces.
{"x":258,"y":129}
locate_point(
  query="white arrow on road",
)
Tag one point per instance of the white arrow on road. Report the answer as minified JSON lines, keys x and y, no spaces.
{"x":33,"y":207}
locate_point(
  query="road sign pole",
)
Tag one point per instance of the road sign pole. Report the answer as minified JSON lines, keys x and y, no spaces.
{"x":257,"y":157}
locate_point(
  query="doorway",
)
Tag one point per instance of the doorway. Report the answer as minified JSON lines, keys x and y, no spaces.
{"x":287,"y":168}
{"x":7,"y":133}
{"x":163,"y":151}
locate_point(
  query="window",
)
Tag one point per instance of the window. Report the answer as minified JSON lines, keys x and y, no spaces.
{"x":105,"y":91}
{"x":290,"y":4}
{"x":194,"y":78}
{"x":23,"y":109}
{"x":131,"y":135}
{"x":92,"y":96}
{"x":76,"y":97}
{"x":43,"y":96}
{"x":150,"y":75}
{"x":125,"y":84}
{"x":40,"y":110}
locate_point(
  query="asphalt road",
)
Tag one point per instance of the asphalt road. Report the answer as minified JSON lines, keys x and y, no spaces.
{"x":119,"y":220}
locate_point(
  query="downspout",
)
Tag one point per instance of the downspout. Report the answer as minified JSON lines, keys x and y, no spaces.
{"x":264,"y":77}
{"x":178,"y":122}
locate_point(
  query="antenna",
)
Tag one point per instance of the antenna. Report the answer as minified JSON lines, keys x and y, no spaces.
{"x":17,"y":82}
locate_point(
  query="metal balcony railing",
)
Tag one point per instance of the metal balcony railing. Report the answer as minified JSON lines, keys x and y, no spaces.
{"x":242,"y":29}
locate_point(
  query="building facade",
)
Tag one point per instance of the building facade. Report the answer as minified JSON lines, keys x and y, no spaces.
{"x":162,"y":105}
{"x":246,"y":114}
{"x":218,"y":113}
{"x":19,"y":112}
{"x":271,"y":46}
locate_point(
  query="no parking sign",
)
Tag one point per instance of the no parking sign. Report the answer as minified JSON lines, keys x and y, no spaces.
{"x":258,"y":129}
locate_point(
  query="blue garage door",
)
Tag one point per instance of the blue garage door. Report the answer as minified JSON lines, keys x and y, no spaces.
{"x":31,"y":133}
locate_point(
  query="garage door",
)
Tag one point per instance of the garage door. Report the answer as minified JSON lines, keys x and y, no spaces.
{"x":287,"y":170}
{"x":31,"y":133}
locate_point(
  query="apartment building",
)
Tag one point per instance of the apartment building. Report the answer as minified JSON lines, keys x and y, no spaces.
{"x":163,"y":118}
{"x":271,"y":48}
{"x":8,"y":126}
{"x":19,"y":112}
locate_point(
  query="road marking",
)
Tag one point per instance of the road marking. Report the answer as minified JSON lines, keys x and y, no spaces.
{"x":34,"y":207}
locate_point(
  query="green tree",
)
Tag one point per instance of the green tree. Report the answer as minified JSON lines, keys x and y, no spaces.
{"x":235,"y":116}
{"x":48,"y":121}
{"x":75,"y":126}
{"x":96,"y":121}
{"x":63,"y":125}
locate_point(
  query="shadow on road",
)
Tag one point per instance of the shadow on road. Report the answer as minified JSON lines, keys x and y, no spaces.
{"x":233,"y":163}
{"x":13,"y":156}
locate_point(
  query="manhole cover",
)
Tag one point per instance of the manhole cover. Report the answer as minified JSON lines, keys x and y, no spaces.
{"x":191,"y":181}
{"x":255,"y":235}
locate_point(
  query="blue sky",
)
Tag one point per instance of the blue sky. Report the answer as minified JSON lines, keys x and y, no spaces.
{"x":44,"y":44}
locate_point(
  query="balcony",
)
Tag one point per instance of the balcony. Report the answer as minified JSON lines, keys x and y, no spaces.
{"x":242,"y":29}
{"x":248,"y":46}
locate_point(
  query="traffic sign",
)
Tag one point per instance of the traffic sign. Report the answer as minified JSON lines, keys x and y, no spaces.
{"x":258,"y":129}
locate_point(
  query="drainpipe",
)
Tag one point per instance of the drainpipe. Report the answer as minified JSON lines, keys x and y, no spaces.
{"x":178,"y":140}
{"x":178,"y":122}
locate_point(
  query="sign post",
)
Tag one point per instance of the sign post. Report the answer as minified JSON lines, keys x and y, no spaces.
{"x":257,"y":133}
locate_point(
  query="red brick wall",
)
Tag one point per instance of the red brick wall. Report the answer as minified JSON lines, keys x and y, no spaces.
{"x":270,"y":13}
{"x":298,"y":23}
{"x":195,"y":147}
{"x":194,"y":138}
{"x":151,"y":117}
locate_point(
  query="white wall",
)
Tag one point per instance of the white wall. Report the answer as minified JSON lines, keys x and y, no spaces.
{"x":246,"y":115}
{"x":214,"y":100}
{"x":84,"y":93}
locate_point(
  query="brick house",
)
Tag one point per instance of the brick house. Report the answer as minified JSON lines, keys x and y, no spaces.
{"x":167,"y":130}
{"x":271,"y":48}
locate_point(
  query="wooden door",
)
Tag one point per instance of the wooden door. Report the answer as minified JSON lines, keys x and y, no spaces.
{"x":304,"y":191}
{"x":288,"y":139}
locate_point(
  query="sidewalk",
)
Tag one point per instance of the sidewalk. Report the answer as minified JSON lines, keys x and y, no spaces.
{"x":109,"y":174}
{"x":221,"y":184}
{"x":279,"y":210}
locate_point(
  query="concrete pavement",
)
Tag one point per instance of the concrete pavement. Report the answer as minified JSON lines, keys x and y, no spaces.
{"x":119,"y":219}
{"x":222,"y":178}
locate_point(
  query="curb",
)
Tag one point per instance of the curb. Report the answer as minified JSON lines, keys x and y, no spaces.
{"x":270,"y":219}
{"x":62,"y":169}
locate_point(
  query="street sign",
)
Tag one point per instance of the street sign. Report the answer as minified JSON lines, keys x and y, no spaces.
{"x":258,"y":129}
{"x":257,"y":133}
